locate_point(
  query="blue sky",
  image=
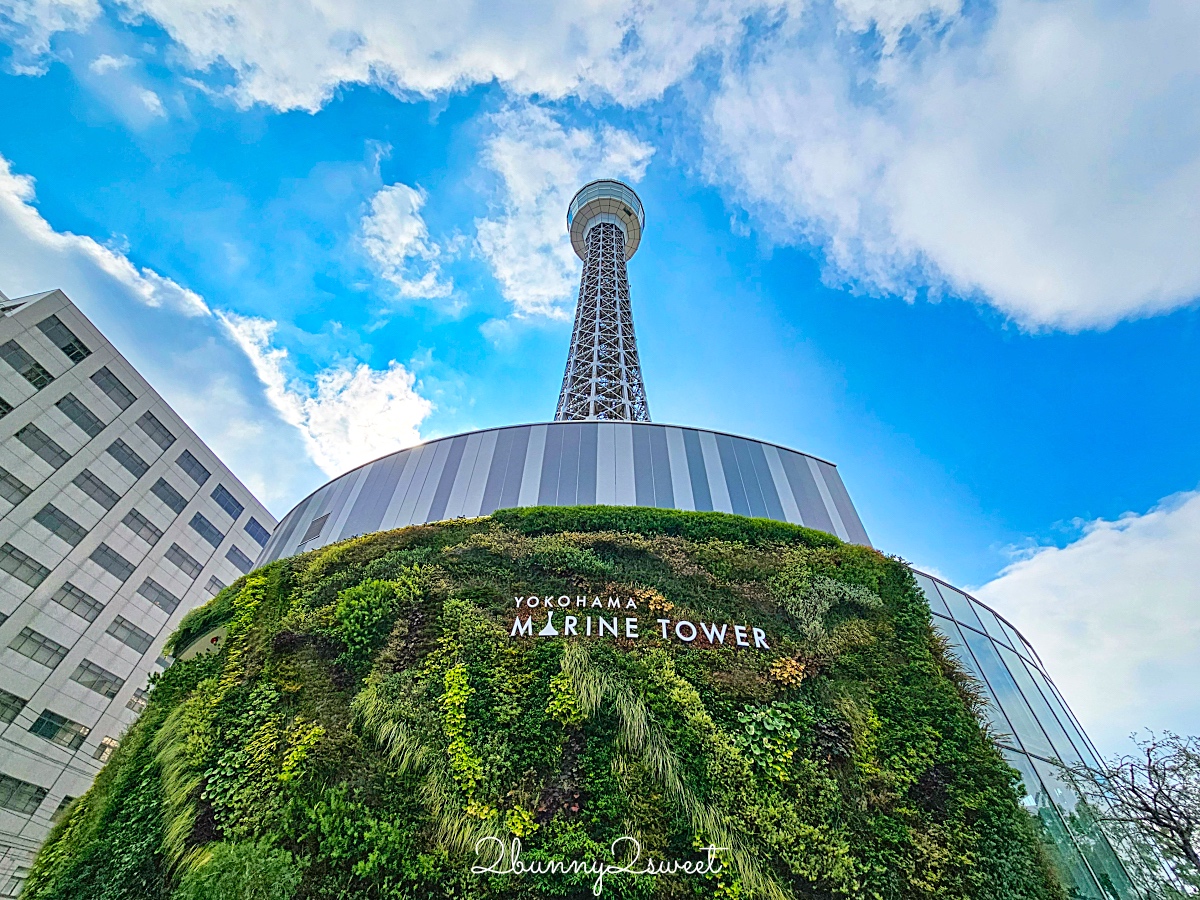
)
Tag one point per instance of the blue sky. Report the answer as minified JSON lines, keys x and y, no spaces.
{"x":948,"y":246}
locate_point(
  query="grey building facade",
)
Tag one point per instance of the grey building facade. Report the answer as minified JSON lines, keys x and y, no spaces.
{"x":115,"y":520}
{"x":569,"y":464}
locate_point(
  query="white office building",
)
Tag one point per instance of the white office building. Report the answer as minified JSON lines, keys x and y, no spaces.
{"x":115,"y":520}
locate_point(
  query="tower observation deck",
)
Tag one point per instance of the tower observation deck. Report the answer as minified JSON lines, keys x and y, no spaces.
{"x":603,"y":379}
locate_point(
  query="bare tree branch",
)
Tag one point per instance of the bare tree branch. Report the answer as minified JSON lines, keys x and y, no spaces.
{"x":1156,"y":792}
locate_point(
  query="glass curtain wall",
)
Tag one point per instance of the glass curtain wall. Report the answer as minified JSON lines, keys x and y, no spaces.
{"x":1034,"y":728}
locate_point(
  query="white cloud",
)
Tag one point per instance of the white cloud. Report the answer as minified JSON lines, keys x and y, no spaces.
{"x":1045,"y":160}
{"x":198,"y":361}
{"x":541,"y":164}
{"x":152,"y":102}
{"x":395,"y":236}
{"x":624,"y":48}
{"x":30,"y":24}
{"x":353,"y":415}
{"x":105,"y":63}
{"x":83,"y":253}
{"x":1038,"y":155}
{"x":1116,"y":616}
{"x":167,"y":333}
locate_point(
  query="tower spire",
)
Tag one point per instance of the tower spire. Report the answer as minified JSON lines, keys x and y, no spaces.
{"x":603,"y":379}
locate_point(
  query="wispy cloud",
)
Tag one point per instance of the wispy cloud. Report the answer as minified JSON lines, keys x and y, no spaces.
{"x":105,"y":63}
{"x":541,"y":164}
{"x":395,"y":236}
{"x":339,"y":416}
{"x":16,"y":207}
{"x":152,"y":102}
{"x":348,"y":415}
{"x":29,"y":26}
{"x":1039,"y":159}
{"x":628,"y":50}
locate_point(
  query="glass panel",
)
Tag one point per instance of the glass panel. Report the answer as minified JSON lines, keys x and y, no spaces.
{"x":1028,"y":732}
{"x":925,"y":583}
{"x":1064,"y":747}
{"x":990,"y":623}
{"x":1077,"y":878}
{"x":960,"y":606}
{"x":1014,"y":639}
{"x":1088,"y":837}
{"x":995,"y":717}
{"x":1075,"y":728}
{"x":1065,"y":720}
{"x":1030,"y":653}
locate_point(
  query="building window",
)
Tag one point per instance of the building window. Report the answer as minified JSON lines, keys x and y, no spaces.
{"x":105,"y":749}
{"x":20,"y":796}
{"x":5,"y":407}
{"x":165,"y":662}
{"x":125,"y":455}
{"x":60,"y":730}
{"x":193,"y":467}
{"x":62,"y":337}
{"x":227,"y":501}
{"x":21,"y":565}
{"x":159,"y":595}
{"x":112,"y":562}
{"x":184,"y":560}
{"x":16,"y":880}
{"x":60,"y":524}
{"x":168,"y":495}
{"x":137,"y":702}
{"x":79,"y":602}
{"x":156,"y":430}
{"x":206,"y":530}
{"x":72,"y":407}
{"x":41,"y":444}
{"x":12,"y":488}
{"x":314,"y":528}
{"x":38,"y":647}
{"x":10,"y":706}
{"x":97,"y":678}
{"x":111,"y":385}
{"x":239,"y":559}
{"x":129,"y":634}
{"x":142,"y":527}
{"x":27,"y":367}
{"x":215,"y":586}
{"x":255,"y":530}
{"x":63,"y":806}
{"x":96,"y":489}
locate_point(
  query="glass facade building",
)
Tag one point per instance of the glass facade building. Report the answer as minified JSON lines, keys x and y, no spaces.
{"x":1035,"y":729}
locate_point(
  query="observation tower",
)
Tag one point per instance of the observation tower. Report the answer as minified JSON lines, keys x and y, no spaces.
{"x":603,"y":379}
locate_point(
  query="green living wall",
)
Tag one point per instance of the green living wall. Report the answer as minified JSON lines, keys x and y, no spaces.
{"x":370,"y":717}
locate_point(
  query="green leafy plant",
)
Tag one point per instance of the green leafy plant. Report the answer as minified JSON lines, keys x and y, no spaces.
{"x":771,"y":735}
{"x":371,"y":716}
{"x":249,"y":871}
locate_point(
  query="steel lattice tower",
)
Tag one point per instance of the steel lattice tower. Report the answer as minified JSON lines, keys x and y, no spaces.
{"x":603,"y":379}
